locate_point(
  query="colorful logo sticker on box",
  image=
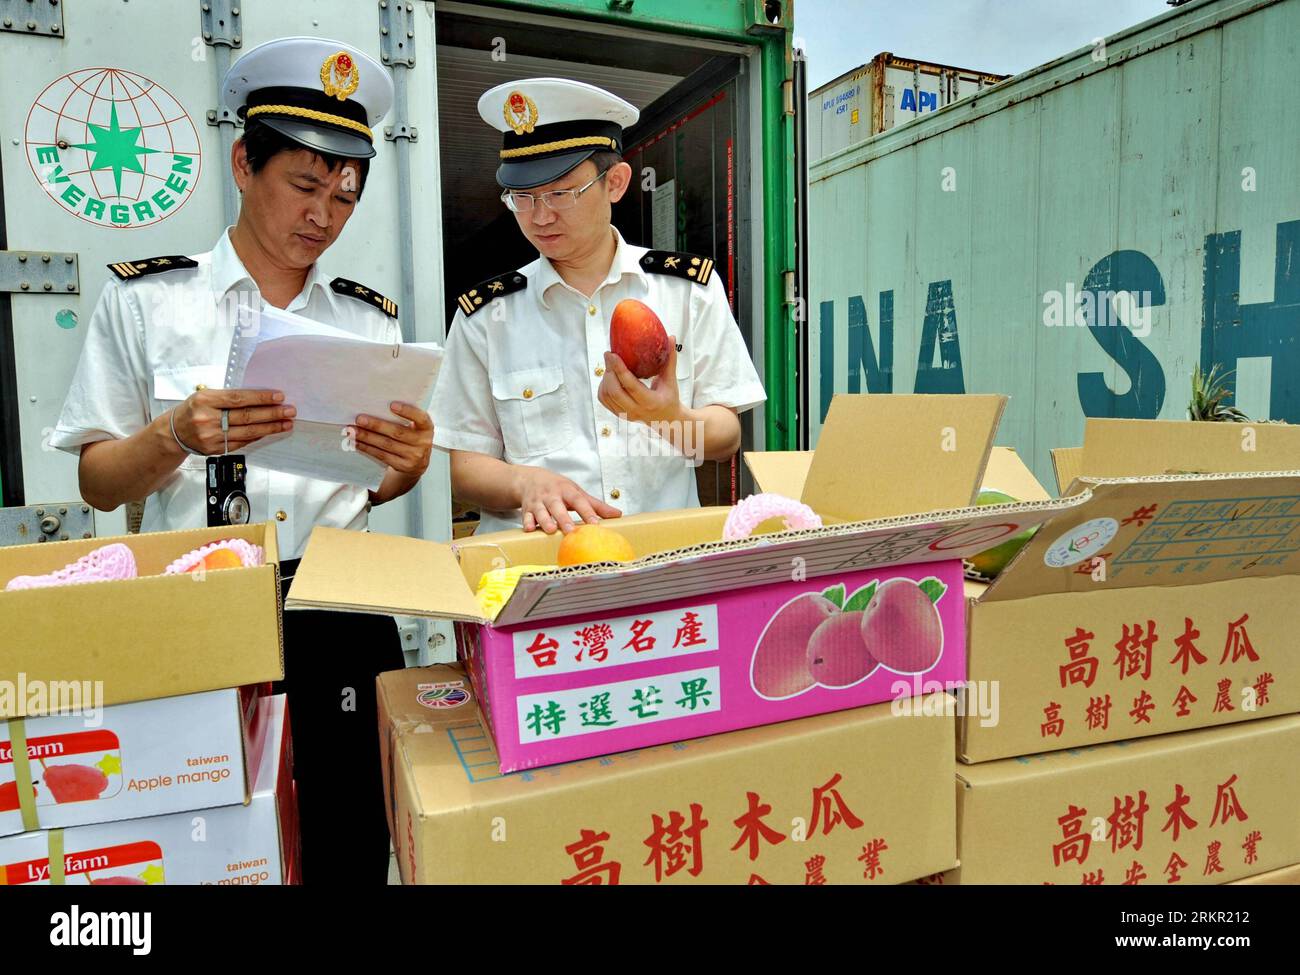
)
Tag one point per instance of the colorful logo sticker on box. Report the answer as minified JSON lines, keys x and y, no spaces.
{"x":626,"y":704}
{"x":76,"y":767}
{"x":1081,"y":542}
{"x":127,"y":864}
{"x":595,"y":644}
{"x":439,"y":697}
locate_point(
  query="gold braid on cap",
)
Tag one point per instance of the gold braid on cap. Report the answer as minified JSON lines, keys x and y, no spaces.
{"x":589,"y":140}
{"x":313,"y":115}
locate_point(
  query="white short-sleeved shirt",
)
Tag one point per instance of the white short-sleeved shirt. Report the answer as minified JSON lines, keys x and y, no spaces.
{"x":521,"y":375}
{"x":153,"y":341}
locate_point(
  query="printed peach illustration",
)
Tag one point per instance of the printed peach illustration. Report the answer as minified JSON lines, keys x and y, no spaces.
{"x":780,"y":664}
{"x":592,"y":543}
{"x":118,"y":882}
{"x":837,"y":656}
{"x":74,"y":783}
{"x":8,"y":796}
{"x":638,"y":338}
{"x":901,"y":627}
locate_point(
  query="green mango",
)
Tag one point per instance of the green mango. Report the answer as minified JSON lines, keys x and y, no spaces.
{"x":987,"y":564}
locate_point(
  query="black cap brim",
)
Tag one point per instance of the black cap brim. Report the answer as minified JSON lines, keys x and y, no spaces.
{"x":320,"y":139}
{"x":523,"y":174}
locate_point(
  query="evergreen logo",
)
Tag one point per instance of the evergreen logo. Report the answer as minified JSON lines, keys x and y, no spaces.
{"x":113,"y":147}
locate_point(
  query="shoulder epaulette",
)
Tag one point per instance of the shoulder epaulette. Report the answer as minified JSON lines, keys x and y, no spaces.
{"x":693,"y":267}
{"x":498,"y":287}
{"x":342,"y":286}
{"x":127,"y":270}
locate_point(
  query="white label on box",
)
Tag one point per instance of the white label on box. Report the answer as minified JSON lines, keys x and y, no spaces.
{"x":626,"y":704}
{"x":608,"y":643}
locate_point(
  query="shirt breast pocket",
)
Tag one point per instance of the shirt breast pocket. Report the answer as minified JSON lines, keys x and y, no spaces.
{"x":685,"y":376}
{"x":533,"y":407}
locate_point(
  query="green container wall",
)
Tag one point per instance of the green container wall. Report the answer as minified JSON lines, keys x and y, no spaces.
{"x":1165,"y":165}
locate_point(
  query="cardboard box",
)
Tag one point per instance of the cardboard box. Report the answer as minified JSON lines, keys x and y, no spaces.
{"x":1067,"y":465}
{"x":1135,"y":448}
{"x":871,"y":792}
{"x":226,"y":846}
{"x":1288,"y":876}
{"x":591,"y":660}
{"x":1153,"y":605}
{"x":1200,"y":807}
{"x":137,"y":639}
{"x":129,"y":760}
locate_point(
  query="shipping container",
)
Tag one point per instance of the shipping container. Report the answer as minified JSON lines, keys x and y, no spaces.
{"x":885,"y":92}
{"x":713,"y":157}
{"x":1079,"y":237}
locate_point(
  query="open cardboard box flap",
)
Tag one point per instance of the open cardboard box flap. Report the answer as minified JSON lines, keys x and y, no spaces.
{"x":785,"y":471}
{"x":682,"y":554}
{"x":883,"y":456}
{"x":1135,"y":448}
{"x":1067,"y":465}
{"x":390,"y":574}
{"x":1235,"y":524}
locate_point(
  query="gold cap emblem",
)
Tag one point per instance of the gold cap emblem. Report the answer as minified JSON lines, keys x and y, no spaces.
{"x":520,"y":112}
{"x":339,"y":75}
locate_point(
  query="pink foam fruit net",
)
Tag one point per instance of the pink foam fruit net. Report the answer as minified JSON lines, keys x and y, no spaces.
{"x":250,"y":555}
{"x":758,"y":508}
{"x":105,"y":564}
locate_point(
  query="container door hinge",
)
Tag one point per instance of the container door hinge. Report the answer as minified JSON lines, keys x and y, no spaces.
{"x":222,"y":27}
{"x":55,"y":522}
{"x":221,"y":23}
{"x":43,"y":18}
{"x":394,"y":132}
{"x":397,"y":32}
{"x":39,"y":272}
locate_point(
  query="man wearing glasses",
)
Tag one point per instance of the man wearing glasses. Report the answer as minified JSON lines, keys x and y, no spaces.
{"x":541,"y":420}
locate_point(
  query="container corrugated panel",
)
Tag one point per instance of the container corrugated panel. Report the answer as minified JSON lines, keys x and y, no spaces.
{"x":1078,"y":237}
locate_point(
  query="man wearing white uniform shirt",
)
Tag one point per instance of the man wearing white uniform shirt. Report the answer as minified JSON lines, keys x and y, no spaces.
{"x":146,"y":404}
{"x":541,"y":419}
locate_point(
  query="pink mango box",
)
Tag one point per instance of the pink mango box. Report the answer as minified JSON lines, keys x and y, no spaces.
{"x":127,"y":761}
{"x":566,"y":669}
{"x":686,"y":668}
{"x":237,"y":845}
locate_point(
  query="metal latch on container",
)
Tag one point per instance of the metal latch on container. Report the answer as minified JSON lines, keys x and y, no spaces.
{"x":220,"y":22}
{"x":59,"y":521}
{"x":38,"y":272}
{"x":397,"y":32}
{"x":42,"y":17}
{"x":394,"y":132}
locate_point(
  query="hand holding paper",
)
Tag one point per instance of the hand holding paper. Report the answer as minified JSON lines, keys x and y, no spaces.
{"x":333,"y":378}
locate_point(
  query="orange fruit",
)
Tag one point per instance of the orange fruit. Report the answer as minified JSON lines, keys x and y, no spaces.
{"x":592,"y":543}
{"x":221,"y":558}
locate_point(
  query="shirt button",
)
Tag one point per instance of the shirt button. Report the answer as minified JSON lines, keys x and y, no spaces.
{"x":614,"y":494}
{"x":528,"y":393}
{"x":604,"y":431}
{"x":591,"y":309}
{"x":280,"y":515}
{"x":600,"y":370}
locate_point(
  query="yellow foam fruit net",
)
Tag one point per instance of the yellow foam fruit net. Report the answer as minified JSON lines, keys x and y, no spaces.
{"x":496,"y":586}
